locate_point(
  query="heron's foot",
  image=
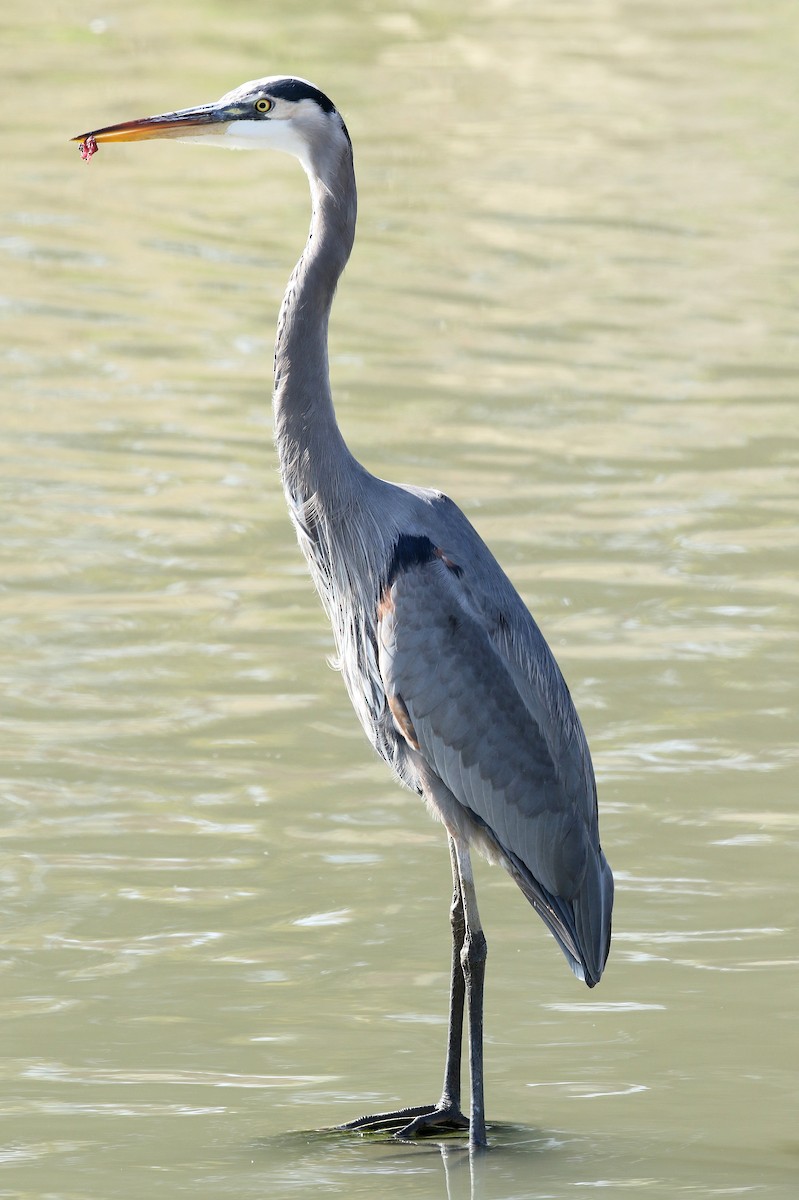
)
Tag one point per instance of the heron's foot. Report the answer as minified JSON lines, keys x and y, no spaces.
{"x":412,"y":1122}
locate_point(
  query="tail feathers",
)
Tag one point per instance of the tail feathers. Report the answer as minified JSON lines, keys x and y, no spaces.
{"x":592,"y":907}
{"x":581,"y":926}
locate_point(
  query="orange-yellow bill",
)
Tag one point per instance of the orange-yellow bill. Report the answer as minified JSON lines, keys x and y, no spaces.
{"x":174,"y":124}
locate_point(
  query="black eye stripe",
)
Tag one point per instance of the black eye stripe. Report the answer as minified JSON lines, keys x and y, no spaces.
{"x":297,"y":89}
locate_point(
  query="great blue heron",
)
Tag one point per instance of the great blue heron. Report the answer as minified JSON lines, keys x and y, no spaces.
{"x":446,"y":669}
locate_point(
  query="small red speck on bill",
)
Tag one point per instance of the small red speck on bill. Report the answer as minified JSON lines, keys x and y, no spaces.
{"x":88,"y":148}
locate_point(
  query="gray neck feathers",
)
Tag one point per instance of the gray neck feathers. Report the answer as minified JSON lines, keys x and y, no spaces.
{"x":334,"y":502}
{"x":314,"y":460}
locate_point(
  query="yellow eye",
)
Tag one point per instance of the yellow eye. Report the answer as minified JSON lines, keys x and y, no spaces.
{"x":263,"y":105}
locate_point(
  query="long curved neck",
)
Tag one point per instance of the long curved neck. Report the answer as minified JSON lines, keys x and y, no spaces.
{"x":314,"y":460}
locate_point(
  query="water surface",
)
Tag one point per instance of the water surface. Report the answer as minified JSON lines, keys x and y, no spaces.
{"x":573,"y":306}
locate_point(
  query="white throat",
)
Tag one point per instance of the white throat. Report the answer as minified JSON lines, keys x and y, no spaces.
{"x":258,"y":135}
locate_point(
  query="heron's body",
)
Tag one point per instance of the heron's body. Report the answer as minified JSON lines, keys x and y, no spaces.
{"x":456,"y":689}
{"x":448,"y":673}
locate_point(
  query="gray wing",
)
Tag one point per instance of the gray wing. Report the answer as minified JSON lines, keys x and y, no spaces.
{"x":499,"y":731}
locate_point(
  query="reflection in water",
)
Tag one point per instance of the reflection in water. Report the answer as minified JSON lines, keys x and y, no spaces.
{"x":450,"y":1170}
{"x":520,"y":1162}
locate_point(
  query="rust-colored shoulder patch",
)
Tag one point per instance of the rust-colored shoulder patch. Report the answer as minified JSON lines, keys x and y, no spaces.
{"x":385,"y":604}
{"x":447,"y":561}
{"x":402,"y":719}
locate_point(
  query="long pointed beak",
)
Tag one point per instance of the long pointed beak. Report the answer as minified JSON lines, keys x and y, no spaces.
{"x":185,"y":123}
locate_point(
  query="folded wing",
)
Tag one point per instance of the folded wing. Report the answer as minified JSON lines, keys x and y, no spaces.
{"x":501,"y":736}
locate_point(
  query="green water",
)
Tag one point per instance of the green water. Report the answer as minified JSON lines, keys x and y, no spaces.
{"x":573,"y":306}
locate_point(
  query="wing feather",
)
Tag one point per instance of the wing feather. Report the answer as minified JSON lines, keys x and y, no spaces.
{"x":488,"y":731}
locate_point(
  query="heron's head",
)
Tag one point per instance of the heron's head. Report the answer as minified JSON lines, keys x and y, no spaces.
{"x":277,"y":113}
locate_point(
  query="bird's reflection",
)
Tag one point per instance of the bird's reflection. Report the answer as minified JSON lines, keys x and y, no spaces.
{"x":461,"y":1170}
{"x":466,"y":1172}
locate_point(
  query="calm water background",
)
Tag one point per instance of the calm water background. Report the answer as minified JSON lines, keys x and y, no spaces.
{"x":573,"y":305}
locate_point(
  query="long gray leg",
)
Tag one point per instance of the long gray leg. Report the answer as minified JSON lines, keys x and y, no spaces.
{"x":451,"y":1094}
{"x":447,"y":1113}
{"x":473,"y":960}
{"x":469,"y":952}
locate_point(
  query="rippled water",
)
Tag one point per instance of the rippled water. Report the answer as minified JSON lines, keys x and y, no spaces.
{"x":573,"y":306}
